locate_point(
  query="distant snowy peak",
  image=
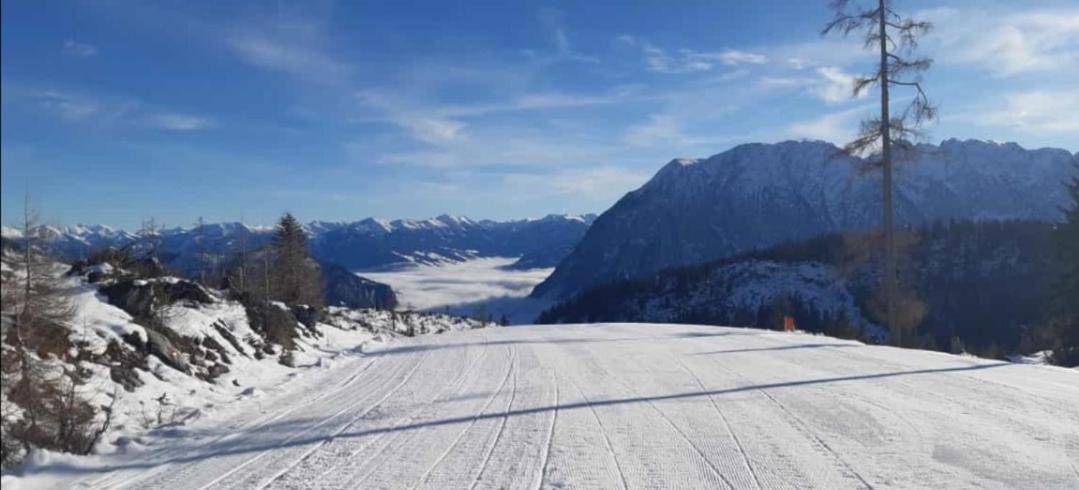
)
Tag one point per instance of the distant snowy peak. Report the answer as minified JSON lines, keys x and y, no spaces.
{"x":373,"y":243}
{"x":441,"y":222}
{"x":367,"y":243}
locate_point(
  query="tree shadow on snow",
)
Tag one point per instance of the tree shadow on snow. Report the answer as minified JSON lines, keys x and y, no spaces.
{"x":419,"y":348}
{"x":785,"y":347}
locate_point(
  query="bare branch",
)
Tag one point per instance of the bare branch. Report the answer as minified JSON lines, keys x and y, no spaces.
{"x":862,"y":84}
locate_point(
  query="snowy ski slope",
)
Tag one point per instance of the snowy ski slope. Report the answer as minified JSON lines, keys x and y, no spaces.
{"x":627,"y":406}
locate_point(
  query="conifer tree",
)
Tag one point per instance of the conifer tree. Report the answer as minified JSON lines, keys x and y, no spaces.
{"x":1066,"y":289}
{"x":296,"y":277}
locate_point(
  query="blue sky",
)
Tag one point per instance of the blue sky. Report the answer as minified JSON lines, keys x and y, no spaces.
{"x":114,"y":112}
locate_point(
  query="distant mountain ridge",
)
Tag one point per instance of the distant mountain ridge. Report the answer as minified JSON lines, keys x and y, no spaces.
{"x":757,"y":195}
{"x":368,"y":243}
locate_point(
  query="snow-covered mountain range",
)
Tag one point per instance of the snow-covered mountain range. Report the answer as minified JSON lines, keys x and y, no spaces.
{"x":365,"y":244}
{"x":757,"y":195}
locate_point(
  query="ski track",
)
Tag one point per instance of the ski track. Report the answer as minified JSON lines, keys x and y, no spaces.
{"x":550,"y":436}
{"x":236,"y":428}
{"x":330,"y":459}
{"x":501,"y":428}
{"x":277,"y":453}
{"x":633,"y":406}
{"x":457,"y":440}
{"x":726,"y":425}
{"x":606,"y":437}
{"x":666,"y":419}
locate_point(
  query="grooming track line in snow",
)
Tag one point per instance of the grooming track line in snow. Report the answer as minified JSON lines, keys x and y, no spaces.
{"x":659,"y":406}
{"x":726,"y":424}
{"x":501,"y":425}
{"x":449,"y":388}
{"x":265,"y":419}
{"x":411,"y":416}
{"x":804,"y":429}
{"x":550,"y":434}
{"x":512,"y":362}
{"x":343,"y":410}
{"x":346,"y":426}
{"x":667,"y":419}
{"x":606,"y":437}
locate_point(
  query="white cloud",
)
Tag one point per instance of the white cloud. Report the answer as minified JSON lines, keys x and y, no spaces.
{"x":831,"y":85}
{"x":772,"y":82}
{"x":180,"y":122}
{"x":73,"y":48}
{"x":736,"y":57}
{"x":432,"y":130}
{"x":835,"y":85}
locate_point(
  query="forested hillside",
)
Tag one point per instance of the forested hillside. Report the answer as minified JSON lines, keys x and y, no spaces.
{"x":979,"y":287}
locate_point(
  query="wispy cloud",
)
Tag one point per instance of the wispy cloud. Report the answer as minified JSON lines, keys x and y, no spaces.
{"x":1032,"y":112}
{"x":180,"y":122}
{"x":1008,"y":43}
{"x":554,"y":21}
{"x":304,"y":62}
{"x":68,"y":106}
{"x":831,"y":84}
{"x":601,"y":183}
{"x":835,"y":85}
{"x":659,"y":60}
{"x":444,"y":123}
{"x":73,"y":48}
{"x":837,"y":127}
{"x":735,"y":57}
{"x":101,"y":110}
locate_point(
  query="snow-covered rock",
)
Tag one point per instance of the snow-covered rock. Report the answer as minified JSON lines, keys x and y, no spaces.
{"x":165,"y":351}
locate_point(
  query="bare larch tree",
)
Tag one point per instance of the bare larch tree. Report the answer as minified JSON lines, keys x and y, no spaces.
{"x":896,"y":38}
{"x":200,"y":245}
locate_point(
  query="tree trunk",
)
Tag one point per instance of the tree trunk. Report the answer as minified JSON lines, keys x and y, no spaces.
{"x":886,"y":163}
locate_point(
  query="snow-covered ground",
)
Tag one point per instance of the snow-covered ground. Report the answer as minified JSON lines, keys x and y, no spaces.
{"x":478,"y":287}
{"x":624,"y":406}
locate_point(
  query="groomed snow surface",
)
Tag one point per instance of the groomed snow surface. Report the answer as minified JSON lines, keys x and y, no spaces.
{"x":626,"y":405}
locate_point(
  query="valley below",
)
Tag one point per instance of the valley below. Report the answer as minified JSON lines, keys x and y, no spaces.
{"x":480,"y":287}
